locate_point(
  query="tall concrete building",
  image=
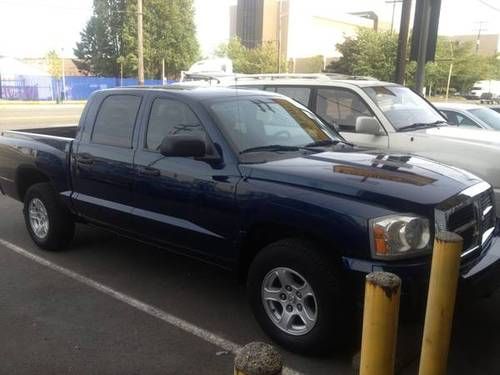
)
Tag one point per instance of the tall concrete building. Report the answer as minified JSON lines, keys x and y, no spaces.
{"x":300,"y":29}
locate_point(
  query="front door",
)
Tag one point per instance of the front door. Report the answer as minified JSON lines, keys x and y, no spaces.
{"x":182,"y":201}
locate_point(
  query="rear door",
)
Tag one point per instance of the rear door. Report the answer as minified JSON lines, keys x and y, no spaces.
{"x":343,"y":107}
{"x":103,"y":161}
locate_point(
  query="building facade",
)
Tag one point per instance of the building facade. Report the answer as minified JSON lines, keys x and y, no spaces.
{"x":301,"y":30}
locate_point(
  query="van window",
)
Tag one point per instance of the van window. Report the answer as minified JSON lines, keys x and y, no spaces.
{"x":341,"y":106}
{"x":170,"y":117}
{"x":300,"y":94}
{"x":114,"y":125}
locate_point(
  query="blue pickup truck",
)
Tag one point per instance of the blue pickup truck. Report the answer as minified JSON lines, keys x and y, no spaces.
{"x":256,"y":183}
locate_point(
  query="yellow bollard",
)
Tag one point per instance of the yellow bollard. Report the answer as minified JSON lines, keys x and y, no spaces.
{"x":380,"y":323}
{"x":258,"y":358}
{"x":440,"y":303}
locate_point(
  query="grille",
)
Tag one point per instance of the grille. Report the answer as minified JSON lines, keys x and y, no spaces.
{"x":470,"y":214}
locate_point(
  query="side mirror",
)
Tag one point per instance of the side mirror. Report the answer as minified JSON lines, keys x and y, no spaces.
{"x":368,"y":125}
{"x":183,"y":146}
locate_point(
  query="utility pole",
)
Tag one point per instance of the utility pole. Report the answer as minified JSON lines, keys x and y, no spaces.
{"x":393,"y":2}
{"x":279,"y":35}
{"x":140,"y":64}
{"x":404,"y":28}
{"x":422,"y":49}
{"x":479,"y":30}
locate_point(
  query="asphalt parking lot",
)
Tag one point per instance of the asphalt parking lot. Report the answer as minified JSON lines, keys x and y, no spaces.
{"x":18,"y":116}
{"x":54,"y":322}
{"x":111,"y":305}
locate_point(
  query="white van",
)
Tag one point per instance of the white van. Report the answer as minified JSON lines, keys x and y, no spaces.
{"x":485,"y":90}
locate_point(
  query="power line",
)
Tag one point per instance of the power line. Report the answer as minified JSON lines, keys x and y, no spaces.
{"x":484,"y":2}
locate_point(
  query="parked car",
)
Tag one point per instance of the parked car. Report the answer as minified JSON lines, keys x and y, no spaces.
{"x":470,"y":115}
{"x":387,"y":116}
{"x":496,"y":108}
{"x":252,"y":182}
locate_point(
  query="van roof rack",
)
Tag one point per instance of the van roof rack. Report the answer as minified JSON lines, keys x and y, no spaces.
{"x":218,"y":77}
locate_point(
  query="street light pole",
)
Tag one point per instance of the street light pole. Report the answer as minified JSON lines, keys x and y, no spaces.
{"x":140,"y":64}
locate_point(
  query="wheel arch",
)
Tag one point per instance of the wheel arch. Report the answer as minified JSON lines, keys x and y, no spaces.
{"x":27,"y":176}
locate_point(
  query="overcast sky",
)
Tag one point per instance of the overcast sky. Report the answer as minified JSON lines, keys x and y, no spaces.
{"x":30,"y":28}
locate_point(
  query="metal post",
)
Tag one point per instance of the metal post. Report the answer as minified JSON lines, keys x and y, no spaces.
{"x":162,"y":71}
{"x":403,"y":41}
{"x":422,"y":46}
{"x":440,"y":303}
{"x":380,"y":323}
{"x":140,"y":64}
{"x":63,"y":97}
{"x":449,"y":81}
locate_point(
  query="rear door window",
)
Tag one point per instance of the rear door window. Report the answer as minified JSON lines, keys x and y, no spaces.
{"x":300,"y":94}
{"x":114,"y":124}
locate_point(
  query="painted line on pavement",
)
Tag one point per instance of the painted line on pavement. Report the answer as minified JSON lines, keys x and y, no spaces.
{"x":182,"y":324}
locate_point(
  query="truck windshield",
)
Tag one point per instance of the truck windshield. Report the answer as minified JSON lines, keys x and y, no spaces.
{"x":403,"y":107}
{"x":487,"y":115}
{"x":269,"y":124}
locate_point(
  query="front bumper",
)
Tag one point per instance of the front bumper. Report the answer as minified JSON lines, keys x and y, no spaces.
{"x":479,"y":276}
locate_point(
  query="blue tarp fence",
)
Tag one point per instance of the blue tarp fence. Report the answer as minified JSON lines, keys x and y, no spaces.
{"x":47,"y":88}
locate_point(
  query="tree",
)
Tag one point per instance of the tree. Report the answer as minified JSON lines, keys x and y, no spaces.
{"x":369,"y":53}
{"x":111,"y":33}
{"x":102,"y":38}
{"x":374,"y":54}
{"x":54,"y":64}
{"x":261,"y":59}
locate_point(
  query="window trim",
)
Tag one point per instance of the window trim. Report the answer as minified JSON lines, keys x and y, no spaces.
{"x":354,"y":93}
{"x":131,"y":147}
{"x":143,"y":145}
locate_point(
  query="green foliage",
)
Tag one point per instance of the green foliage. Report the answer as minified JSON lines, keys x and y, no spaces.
{"x":374,"y":54}
{"x":370,"y":53}
{"x":111,"y":33}
{"x":54,"y":64}
{"x":262,"y":59}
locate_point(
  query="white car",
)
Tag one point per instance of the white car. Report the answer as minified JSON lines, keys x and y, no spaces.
{"x":470,"y":115}
{"x":385,"y":115}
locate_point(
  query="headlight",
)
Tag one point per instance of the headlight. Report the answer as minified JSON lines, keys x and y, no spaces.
{"x":399,"y":236}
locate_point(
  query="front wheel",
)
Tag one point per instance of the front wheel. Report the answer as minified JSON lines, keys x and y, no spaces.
{"x":48,"y":221}
{"x":295,"y":294}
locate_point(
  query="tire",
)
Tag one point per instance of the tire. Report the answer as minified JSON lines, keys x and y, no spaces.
{"x":322,"y":273}
{"x":46,"y":207}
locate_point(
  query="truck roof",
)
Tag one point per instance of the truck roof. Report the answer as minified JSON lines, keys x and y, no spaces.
{"x":199,"y":93}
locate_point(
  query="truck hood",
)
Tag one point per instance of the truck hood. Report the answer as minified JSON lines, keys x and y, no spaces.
{"x":479,"y":136}
{"x":387,"y":179}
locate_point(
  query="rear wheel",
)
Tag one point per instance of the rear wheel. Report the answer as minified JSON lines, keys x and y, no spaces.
{"x":295,"y":294}
{"x":49,"y":222}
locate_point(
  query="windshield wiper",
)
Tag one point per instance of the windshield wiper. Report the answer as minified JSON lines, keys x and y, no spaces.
{"x":419,"y":125}
{"x":271,"y":148}
{"x":326,"y":142}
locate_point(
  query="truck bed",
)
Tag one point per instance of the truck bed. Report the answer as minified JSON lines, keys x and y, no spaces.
{"x":33,"y":152}
{"x":55,"y":131}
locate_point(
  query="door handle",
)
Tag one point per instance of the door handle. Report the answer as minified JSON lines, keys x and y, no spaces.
{"x":148,"y":171}
{"x":85,"y":159}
